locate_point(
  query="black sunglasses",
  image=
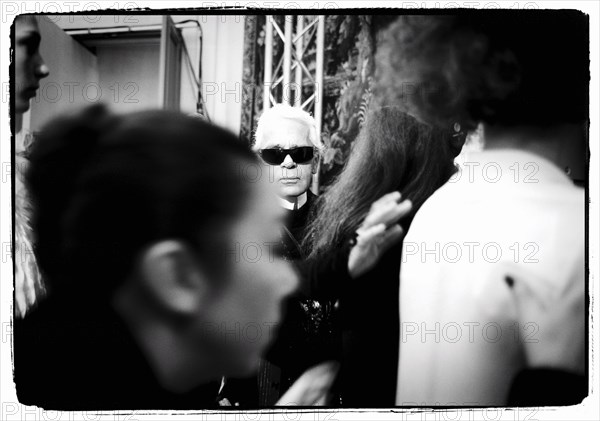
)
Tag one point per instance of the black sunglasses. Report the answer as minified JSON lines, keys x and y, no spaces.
{"x":275,"y":156}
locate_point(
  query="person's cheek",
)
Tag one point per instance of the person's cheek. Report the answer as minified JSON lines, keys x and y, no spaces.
{"x":306,"y":172}
{"x":19,"y":73}
{"x":266,"y":174}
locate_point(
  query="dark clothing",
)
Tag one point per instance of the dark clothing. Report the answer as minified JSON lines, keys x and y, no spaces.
{"x":70,"y":356}
{"x":369,"y":320}
{"x":547,"y":387}
{"x":370,"y":324}
{"x":361,"y":330}
{"x":295,"y":224}
{"x":308,"y":335}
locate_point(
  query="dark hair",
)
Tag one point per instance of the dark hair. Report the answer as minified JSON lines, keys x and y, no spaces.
{"x":498,"y":67}
{"x":392,"y":152}
{"x":104,"y":187}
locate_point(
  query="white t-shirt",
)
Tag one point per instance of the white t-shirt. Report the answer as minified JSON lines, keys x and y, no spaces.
{"x":505,"y":214}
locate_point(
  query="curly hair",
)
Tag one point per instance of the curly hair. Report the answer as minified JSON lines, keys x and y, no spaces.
{"x":496,"y":67}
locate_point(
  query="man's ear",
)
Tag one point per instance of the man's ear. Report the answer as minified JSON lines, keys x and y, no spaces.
{"x":170,"y":274}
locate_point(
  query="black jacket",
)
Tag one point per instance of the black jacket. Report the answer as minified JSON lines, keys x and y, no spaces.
{"x":70,"y":356}
{"x":361,"y":330}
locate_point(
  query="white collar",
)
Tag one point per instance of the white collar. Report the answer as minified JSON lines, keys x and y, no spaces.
{"x":301,"y":200}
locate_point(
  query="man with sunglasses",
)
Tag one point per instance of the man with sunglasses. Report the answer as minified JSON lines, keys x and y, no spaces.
{"x":286,"y":142}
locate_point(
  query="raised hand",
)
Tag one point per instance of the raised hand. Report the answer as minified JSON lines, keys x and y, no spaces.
{"x":378,"y":232}
{"x":312,"y":388}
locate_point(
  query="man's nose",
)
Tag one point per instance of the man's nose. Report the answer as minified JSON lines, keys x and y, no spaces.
{"x":288,"y":162}
{"x":41,"y":69}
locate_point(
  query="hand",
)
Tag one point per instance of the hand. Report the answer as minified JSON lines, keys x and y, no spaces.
{"x":28,"y":280}
{"x":312,"y":388}
{"x":378,"y":233}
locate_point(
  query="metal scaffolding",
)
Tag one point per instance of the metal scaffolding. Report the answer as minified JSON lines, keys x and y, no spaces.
{"x":278,"y":85}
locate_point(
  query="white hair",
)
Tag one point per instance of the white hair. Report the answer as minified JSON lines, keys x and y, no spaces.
{"x":281,"y":111}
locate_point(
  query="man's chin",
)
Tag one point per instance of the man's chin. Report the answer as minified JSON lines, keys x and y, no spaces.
{"x":292,"y":191}
{"x":22,"y":106}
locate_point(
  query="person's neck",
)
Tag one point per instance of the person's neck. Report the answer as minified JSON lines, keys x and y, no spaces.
{"x":177,"y":367}
{"x":18,"y":122}
{"x":294,"y":202}
{"x":547,"y":142}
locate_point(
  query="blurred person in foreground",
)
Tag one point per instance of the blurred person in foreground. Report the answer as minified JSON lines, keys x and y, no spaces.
{"x":355,"y":238}
{"x":29,"y":69}
{"x":494,"y":261}
{"x":139,"y":221}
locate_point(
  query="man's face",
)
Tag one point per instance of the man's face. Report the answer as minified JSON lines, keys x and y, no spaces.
{"x":29,"y":65}
{"x":291,"y":178}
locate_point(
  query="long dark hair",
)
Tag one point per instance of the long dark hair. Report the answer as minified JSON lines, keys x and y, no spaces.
{"x":393,"y":151}
{"x":105,"y":186}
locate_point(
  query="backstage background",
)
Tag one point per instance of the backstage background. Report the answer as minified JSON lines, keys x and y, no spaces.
{"x":215,"y":66}
{"x":115,"y":59}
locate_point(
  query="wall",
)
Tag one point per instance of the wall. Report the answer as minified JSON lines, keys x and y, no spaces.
{"x":107,"y":76}
{"x":72,"y":81}
{"x":222,"y":55}
{"x":222,"y":62}
{"x":128,"y":74}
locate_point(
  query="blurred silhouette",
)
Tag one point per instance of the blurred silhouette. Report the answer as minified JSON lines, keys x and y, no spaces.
{"x":355,"y":242}
{"x":141,"y":222}
{"x":528,"y":87}
{"x":29,"y":69}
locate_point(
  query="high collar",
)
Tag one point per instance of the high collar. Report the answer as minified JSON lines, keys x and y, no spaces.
{"x":301,"y":200}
